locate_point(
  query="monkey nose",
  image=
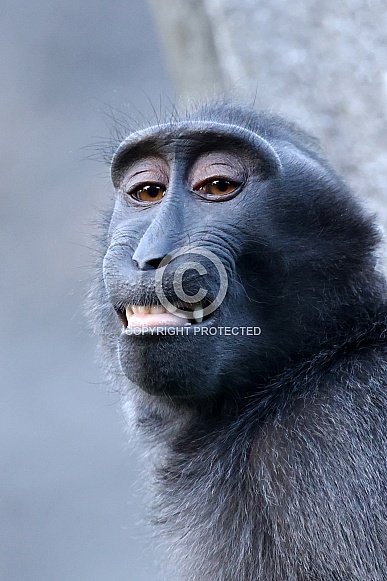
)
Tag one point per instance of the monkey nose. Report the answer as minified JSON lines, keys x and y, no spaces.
{"x":154,"y":245}
{"x":147,"y":263}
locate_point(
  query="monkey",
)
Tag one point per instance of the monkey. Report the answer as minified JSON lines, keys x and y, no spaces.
{"x":241,"y":310}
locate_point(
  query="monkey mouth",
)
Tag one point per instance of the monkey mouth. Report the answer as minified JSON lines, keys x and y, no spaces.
{"x":151,"y":316}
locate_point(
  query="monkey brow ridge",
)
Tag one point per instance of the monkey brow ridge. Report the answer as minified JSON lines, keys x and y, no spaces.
{"x":267,"y":150}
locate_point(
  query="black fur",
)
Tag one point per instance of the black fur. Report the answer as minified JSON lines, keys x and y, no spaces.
{"x":270,"y":451}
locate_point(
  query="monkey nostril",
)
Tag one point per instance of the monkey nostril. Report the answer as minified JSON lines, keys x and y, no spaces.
{"x":154,"y":262}
{"x":150,"y":264}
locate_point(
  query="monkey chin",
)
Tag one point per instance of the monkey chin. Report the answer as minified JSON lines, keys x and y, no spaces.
{"x":182,"y":368}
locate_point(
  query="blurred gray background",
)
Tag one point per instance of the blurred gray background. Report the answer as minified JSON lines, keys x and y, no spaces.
{"x":69,"y":484}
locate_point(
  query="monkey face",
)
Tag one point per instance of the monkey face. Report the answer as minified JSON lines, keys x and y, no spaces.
{"x":218,"y":246}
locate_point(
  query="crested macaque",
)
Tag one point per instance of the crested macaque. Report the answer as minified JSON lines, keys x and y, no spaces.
{"x":242,"y":314}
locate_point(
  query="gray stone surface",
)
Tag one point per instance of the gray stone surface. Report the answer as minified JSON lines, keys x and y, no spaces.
{"x":68,"y":480}
{"x":189,"y":44}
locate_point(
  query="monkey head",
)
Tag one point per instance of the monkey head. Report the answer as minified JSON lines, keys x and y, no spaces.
{"x":232,"y":249}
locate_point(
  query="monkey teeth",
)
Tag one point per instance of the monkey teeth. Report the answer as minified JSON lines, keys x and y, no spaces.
{"x":198,"y":313}
{"x":159,"y":316}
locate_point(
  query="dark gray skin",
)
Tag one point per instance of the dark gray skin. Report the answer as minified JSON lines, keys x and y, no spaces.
{"x":270,"y":449}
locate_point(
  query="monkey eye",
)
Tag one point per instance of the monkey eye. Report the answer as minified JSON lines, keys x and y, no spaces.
{"x":148,"y":193}
{"x":217,"y":187}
